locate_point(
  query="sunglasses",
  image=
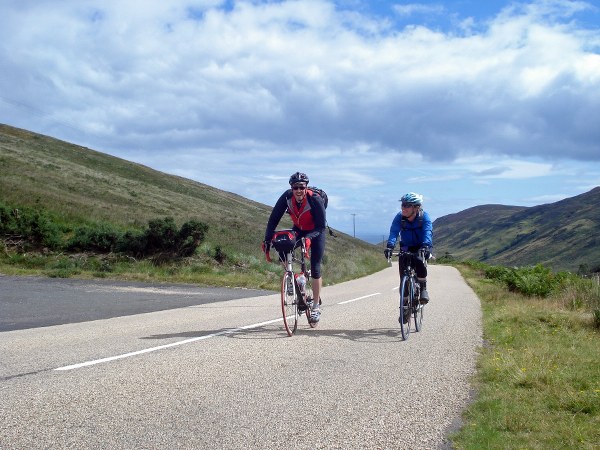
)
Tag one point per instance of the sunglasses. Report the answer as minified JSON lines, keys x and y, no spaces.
{"x":407,"y":205}
{"x":298,"y":188}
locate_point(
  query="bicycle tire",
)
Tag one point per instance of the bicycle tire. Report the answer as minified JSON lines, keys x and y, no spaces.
{"x":406,"y":298}
{"x":418,"y":314}
{"x":289,"y":304}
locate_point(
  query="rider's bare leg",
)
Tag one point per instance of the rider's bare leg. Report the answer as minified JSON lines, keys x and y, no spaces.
{"x":316,"y":287}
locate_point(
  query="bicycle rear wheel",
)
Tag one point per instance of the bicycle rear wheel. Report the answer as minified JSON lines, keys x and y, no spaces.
{"x":309,"y":294}
{"x":406,"y":298}
{"x":289,"y":305}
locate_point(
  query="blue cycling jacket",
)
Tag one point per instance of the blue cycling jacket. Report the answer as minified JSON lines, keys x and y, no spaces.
{"x":414,"y":235}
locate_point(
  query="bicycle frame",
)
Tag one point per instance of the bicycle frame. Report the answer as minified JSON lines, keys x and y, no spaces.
{"x":290,"y":258}
{"x":292,"y":298}
{"x":410,"y":292}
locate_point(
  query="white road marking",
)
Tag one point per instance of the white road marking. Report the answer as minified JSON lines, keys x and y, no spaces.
{"x":187,"y":341}
{"x":359,"y":298}
{"x":161,"y":347}
{"x":164,"y":291}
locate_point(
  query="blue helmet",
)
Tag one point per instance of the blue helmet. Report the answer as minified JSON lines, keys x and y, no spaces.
{"x":413,"y":198}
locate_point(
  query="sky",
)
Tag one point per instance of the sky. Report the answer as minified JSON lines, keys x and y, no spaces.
{"x":467,"y":102}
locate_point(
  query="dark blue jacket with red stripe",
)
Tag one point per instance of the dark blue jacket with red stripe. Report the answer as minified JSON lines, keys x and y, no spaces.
{"x":309,"y":217}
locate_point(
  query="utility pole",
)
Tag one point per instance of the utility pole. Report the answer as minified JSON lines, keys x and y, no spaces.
{"x":353,"y":225}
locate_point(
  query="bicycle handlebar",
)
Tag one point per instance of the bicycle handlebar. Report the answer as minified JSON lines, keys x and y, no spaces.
{"x":419,"y":252}
{"x":302,"y":243}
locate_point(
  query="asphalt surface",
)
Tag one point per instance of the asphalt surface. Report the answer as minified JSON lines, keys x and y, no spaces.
{"x":224,"y":374}
{"x":31,"y":302}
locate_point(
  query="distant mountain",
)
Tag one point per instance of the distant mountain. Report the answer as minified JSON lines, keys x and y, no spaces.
{"x":564,"y":235}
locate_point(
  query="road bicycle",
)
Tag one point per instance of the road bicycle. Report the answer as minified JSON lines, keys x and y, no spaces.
{"x":296,"y":285}
{"x":410,"y":291}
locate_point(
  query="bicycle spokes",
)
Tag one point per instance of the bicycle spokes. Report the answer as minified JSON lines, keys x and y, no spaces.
{"x":289,"y":303}
{"x":406,"y":298}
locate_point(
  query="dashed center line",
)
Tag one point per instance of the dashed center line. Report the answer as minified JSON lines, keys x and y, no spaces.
{"x":359,"y":298}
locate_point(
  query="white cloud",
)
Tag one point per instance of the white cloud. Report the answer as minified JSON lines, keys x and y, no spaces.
{"x":240,"y":94}
{"x":295,"y":72}
{"x":418,"y":8}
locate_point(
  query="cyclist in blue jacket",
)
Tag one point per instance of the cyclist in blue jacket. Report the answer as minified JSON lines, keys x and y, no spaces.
{"x":415,"y":228}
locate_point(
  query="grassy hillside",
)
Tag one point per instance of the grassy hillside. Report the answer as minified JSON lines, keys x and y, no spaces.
{"x":79,"y":184}
{"x":564,"y":235}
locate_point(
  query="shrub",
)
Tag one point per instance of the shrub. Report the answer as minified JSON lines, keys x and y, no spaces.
{"x":537,"y":280}
{"x":161,"y":236}
{"x":571,"y":290}
{"x":36,"y":227}
{"x":190,"y":237}
{"x":102,"y":238}
{"x":533,"y":280}
{"x":163,"y":241}
{"x":497,"y":273}
{"x":220,"y":255}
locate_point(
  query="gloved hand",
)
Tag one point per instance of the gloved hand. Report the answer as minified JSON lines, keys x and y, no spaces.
{"x":307,"y":242}
{"x":388,"y":252}
{"x":266,"y":246}
{"x":426,"y":252}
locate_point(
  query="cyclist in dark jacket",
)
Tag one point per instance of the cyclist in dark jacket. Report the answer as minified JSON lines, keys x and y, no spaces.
{"x":416,"y":232}
{"x":307,"y":212}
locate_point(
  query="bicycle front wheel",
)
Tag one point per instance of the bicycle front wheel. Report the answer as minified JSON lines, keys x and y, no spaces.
{"x":289,"y":305}
{"x":418,"y":314}
{"x":406,"y":298}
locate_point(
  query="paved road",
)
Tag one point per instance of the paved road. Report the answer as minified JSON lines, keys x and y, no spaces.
{"x":31,"y":302}
{"x":225,"y":374}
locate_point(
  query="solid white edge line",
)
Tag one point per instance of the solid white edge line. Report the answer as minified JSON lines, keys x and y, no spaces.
{"x":359,"y":298}
{"x":186,"y":341}
{"x":161,"y":347}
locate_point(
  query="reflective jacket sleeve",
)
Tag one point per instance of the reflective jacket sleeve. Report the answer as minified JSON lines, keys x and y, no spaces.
{"x":394,"y":230}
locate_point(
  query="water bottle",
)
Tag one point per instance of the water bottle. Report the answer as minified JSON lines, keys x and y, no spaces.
{"x":301,"y":280}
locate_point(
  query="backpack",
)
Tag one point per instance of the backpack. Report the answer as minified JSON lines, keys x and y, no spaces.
{"x":321,"y":193}
{"x":404,"y":221}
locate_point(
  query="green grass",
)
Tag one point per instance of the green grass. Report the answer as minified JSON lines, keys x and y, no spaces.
{"x":236,"y":270}
{"x":538,"y":380}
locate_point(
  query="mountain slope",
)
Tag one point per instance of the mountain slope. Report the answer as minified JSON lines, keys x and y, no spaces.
{"x":82,"y":184}
{"x":563,"y":235}
{"x":79,"y":182}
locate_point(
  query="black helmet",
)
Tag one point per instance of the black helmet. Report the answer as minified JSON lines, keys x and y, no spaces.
{"x":298,"y":177}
